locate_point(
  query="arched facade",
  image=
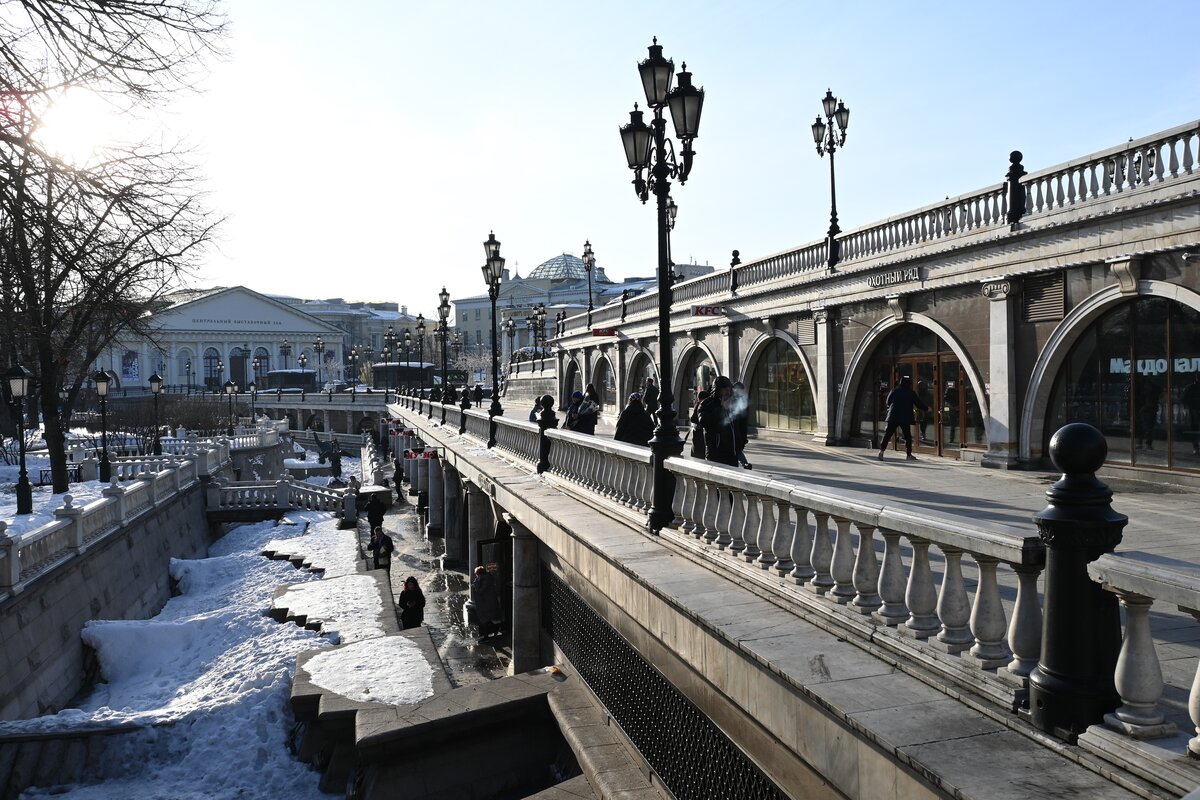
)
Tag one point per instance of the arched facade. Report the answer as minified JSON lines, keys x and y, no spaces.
{"x":779,"y":384}
{"x":573,"y":381}
{"x":186,"y":365}
{"x":1125,"y":362}
{"x":641,"y":367}
{"x":697,"y":370}
{"x":604,"y":378}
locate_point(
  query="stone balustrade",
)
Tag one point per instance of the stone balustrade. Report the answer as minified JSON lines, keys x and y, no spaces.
{"x":618,"y":472}
{"x":478,"y":424}
{"x":517,"y":437}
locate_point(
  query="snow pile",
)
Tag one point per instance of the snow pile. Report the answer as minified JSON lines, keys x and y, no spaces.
{"x":389,"y":670}
{"x":325,"y":547}
{"x":348,"y":607}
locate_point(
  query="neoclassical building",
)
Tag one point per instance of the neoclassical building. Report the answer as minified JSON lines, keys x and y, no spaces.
{"x":1068,"y":294}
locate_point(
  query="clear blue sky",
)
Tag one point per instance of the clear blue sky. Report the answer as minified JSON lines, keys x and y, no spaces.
{"x":365,"y":149}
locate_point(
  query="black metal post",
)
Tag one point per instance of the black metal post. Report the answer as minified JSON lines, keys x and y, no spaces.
{"x":834,"y":230}
{"x":494,"y":409}
{"x":1072,"y":686}
{"x":421,"y":365}
{"x":445,"y":385}
{"x":463,"y":404}
{"x":157,"y":449}
{"x":24,"y":489}
{"x":231,"y":413}
{"x":1016,"y":191}
{"x":105,"y":465}
{"x":666,"y":442}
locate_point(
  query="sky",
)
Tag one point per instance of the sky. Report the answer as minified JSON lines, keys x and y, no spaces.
{"x":365,"y":149}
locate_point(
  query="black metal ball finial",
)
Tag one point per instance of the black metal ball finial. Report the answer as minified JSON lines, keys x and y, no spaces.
{"x":1078,"y":448}
{"x":1015,"y":157}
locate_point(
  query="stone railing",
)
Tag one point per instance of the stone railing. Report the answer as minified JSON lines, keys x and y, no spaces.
{"x":312,"y":440}
{"x":33,"y":553}
{"x":616,"y":471}
{"x":256,"y":439}
{"x":268,"y":496}
{"x":478,"y":424}
{"x":517,"y":438}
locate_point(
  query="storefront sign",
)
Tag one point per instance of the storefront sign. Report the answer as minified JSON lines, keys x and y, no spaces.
{"x":604,"y":331}
{"x":1153,"y":366}
{"x":708,"y":311}
{"x":894,"y":277}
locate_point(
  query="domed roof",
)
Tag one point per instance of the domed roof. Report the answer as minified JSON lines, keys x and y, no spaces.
{"x":566,"y":267}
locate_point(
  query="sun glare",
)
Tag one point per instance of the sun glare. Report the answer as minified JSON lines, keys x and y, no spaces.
{"x":76,"y":125}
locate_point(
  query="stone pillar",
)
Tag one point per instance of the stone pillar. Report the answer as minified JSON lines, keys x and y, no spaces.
{"x":326,"y":422}
{"x":434,"y":518}
{"x":1073,"y":686}
{"x":727,"y":353}
{"x":479,"y":523}
{"x":422,"y":482}
{"x":1001,"y":390}
{"x":526,"y":599}
{"x":827,"y":389}
{"x":451,"y":519}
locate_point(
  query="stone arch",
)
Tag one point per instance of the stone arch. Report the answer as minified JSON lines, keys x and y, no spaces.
{"x":678,"y":377}
{"x":609,"y":398}
{"x":570,"y":373}
{"x":1050,"y":360}
{"x":755,"y":352}
{"x":871,"y":342}
{"x":185,"y":362}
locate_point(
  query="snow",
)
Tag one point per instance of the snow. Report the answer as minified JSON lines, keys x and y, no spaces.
{"x":388,"y":670}
{"x":325,"y":546}
{"x":348,"y":607}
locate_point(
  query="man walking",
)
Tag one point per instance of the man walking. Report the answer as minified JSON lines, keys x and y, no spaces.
{"x":900,"y":404}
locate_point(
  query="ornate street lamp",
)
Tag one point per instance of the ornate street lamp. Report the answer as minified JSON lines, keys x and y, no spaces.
{"x":220,"y":372}
{"x":319,"y":349}
{"x":444,"y":333}
{"x":101,"y":379}
{"x":230,"y":391}
{"x":18,"y":379}
{"x":589,"y":261}
{"x":421,"y":351}
{"x":493,"y":271}
{"x":255,"y":365}
{"x":510,"y":328}
{"x":647,"y":149}
{"x":407,"y":355}
{"x":187,"y":368}
{"x":353,"y":361}
{"x":64,"y":395}
{"x":156,"y":383}
{"x":253,"y":387}
{"x":830,"y":134}
{"x":541,"y":323}
{"x":390,"y":342}
{"x":285,"y":350}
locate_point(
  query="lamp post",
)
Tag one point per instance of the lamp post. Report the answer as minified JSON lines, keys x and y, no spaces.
{"x":18,"y":387}
{"x":353,"y":361}
{"x":319,"y":349}
{"x":187,"y":368}
{"x":444,"y":332}
{"x":421,"y":351}
{"x":64,"y":395}
{"x":230,"y":389}
{"x":407,"y":353}
{"x":156,"y":383}
{"x":589,"y":261}
{"x":647,"y":150}
{"x":253,"y":387}
{"x":255,"y":366}
{"x":101,"y":379}
{"x":830,"y":134}
{"x":390,"y":341}
{"x":285,"y":350}
{"x":541,"y":323}
{"x":220,"y":372}
{"x":493,"y":271}
{"x":510,"y":328}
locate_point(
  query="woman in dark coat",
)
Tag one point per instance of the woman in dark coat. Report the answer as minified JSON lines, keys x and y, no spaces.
{"x":698,"y":449}
{"x":650,"y":396}
{"x":721,"y":442}
{"x":487,"y":603}
{"x":412,"y":603}
{"x":635,"y":425}
{"x":375,"y":510}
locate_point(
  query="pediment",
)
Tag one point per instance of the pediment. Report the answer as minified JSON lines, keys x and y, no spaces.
{"x":240,"y":310}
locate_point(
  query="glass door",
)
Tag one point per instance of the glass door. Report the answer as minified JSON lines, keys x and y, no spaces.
{"x":922,"y":370}
{"x":950,"y":409}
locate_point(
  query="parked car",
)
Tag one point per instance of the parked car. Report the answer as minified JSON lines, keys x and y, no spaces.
{"x":335,"y":386}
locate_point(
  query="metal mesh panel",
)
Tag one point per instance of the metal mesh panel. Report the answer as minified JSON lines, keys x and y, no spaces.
{"x":692,"y":757}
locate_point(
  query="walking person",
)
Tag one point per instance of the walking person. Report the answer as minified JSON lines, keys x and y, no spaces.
{"x":721,"y":443}
{"x":650,"y":397}
{"x":740,"y":408}
{"x":375,"y":510}
{"x":412,"y":604}
{"x":901,"y":403}
{"x":698,"y":449}
{"x":381,"y":547}
{"x":635,"y":425}
{"x":487,"y":603}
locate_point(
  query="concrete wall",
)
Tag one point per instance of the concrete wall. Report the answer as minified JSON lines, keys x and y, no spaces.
{"x":260,"y":464}
{"x":121,"y":576}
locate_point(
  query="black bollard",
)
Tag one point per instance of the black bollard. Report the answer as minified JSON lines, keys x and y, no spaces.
{"x":1016,"y":191}
{"x":546,"y":420}
{"x":1072,"y":685}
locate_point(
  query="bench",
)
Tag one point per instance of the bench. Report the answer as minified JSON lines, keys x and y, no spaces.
{"x":45,"y":474}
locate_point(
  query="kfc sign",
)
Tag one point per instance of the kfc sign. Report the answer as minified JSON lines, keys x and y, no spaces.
{"x":708,"y":311}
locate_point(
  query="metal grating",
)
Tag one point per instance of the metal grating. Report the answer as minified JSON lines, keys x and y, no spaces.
{"x":805,"y":331}
{"x":693,"y":758}
{"x":1044,"y":298}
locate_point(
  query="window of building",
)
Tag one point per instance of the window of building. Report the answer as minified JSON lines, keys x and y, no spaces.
{"x":477,"y":314}
{"x":780,"y":394}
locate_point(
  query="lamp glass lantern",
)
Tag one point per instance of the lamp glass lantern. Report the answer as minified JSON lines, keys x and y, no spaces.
{"x":636,"y":138}
{"x":686,"y":103}
{"x":656,"y":72}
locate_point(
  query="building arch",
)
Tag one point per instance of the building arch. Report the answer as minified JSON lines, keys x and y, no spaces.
{"x":760,"y":405}
{"x":185,"y":366}
{"x":573,"y":381}
{"x":1065,"y":336}
{"x":877,"y":335}
{"x":691,"y":359}
{"x":604,"y":378}
{"x":263,"y":358}
{"x":212,"y":369}
{"x":641,"y":367}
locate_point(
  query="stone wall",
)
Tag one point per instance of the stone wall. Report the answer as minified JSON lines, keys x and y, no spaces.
{"x":120,"y":576}
{"x":260,"y":463}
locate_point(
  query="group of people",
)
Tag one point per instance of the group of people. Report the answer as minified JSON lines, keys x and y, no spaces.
{"x":719,"y":424}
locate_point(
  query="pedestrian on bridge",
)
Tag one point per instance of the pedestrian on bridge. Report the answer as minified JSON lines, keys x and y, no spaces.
{"x":650,"y":396}
{"x":582,"y":414}
{"x":412,"y":604}
{"x":717,"y":418}
{"x":901,"y":403}
{"x":375,"y":511}
{"x":635,"y":425}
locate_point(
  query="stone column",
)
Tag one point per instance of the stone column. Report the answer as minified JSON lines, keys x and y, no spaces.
{"x":826,"y":389}
{"x":434,"y":517}
{"x":1001,"y":390}
{"x":451,"y":521}
{"x":526,"y":599}
{"x":727,"y":352}
{"x":422,"y":482}
{"x":479,"y":523}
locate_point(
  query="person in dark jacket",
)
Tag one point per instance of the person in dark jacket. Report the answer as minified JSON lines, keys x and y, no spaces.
{"x":536,"y":411}
{"x":698,"y":449}
{"x":582,"y":414}
{"x":901,"y":403}
{"x":381,"y":547}
{"x":478,"y":395}
{"x":741,"y":427}
{"x":487,"y":603}
{"x":721,"y":443}
{"x":635,"y":425}
{"x":375,"y":510}
{"x":412,"y":603}
{"x":590,"y":393}
{"x":650,"y":397}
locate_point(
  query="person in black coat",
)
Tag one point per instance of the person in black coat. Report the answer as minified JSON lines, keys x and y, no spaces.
{"x":381,"y":547}
{"x":582,"y":414}
{"x":650,"y":396}
{"x":635,"y":425}
{"x":375,"y":510}
{"x":721,"y":443}
{"x":698,"y":449}
{"x":901,"y":403}
{"x":412,"y":603}
{"x":487,"y":603}
{"x":741,"y":423}
{"x":478,"y":395}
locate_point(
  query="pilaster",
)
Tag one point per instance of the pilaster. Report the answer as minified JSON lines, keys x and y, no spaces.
{"x":826,"y":388}
{"x":1001,"y":389}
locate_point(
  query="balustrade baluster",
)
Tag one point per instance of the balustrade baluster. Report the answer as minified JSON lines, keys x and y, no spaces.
{"x":891,"y":582}
{"x":1071,"y":177}
{"x":842,"y":564}
{"x":866,"y":572}
{"x":768,"y":533}
{"x":919,"y":595}
{"x":953,"y":606}
{"x":730,"y":508}
{"x":1058,"y":190}
{"x":750,"y":532}
{"x":822,"y":555}
{"x":801,"y":549}
{"x":691,"y":492}
{"x":987,"y":618}
{"x":712,"y":505}
{"x":1138,"y":677}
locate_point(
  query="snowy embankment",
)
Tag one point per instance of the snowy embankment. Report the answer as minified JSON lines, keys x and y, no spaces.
{"x":210,"y":677}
